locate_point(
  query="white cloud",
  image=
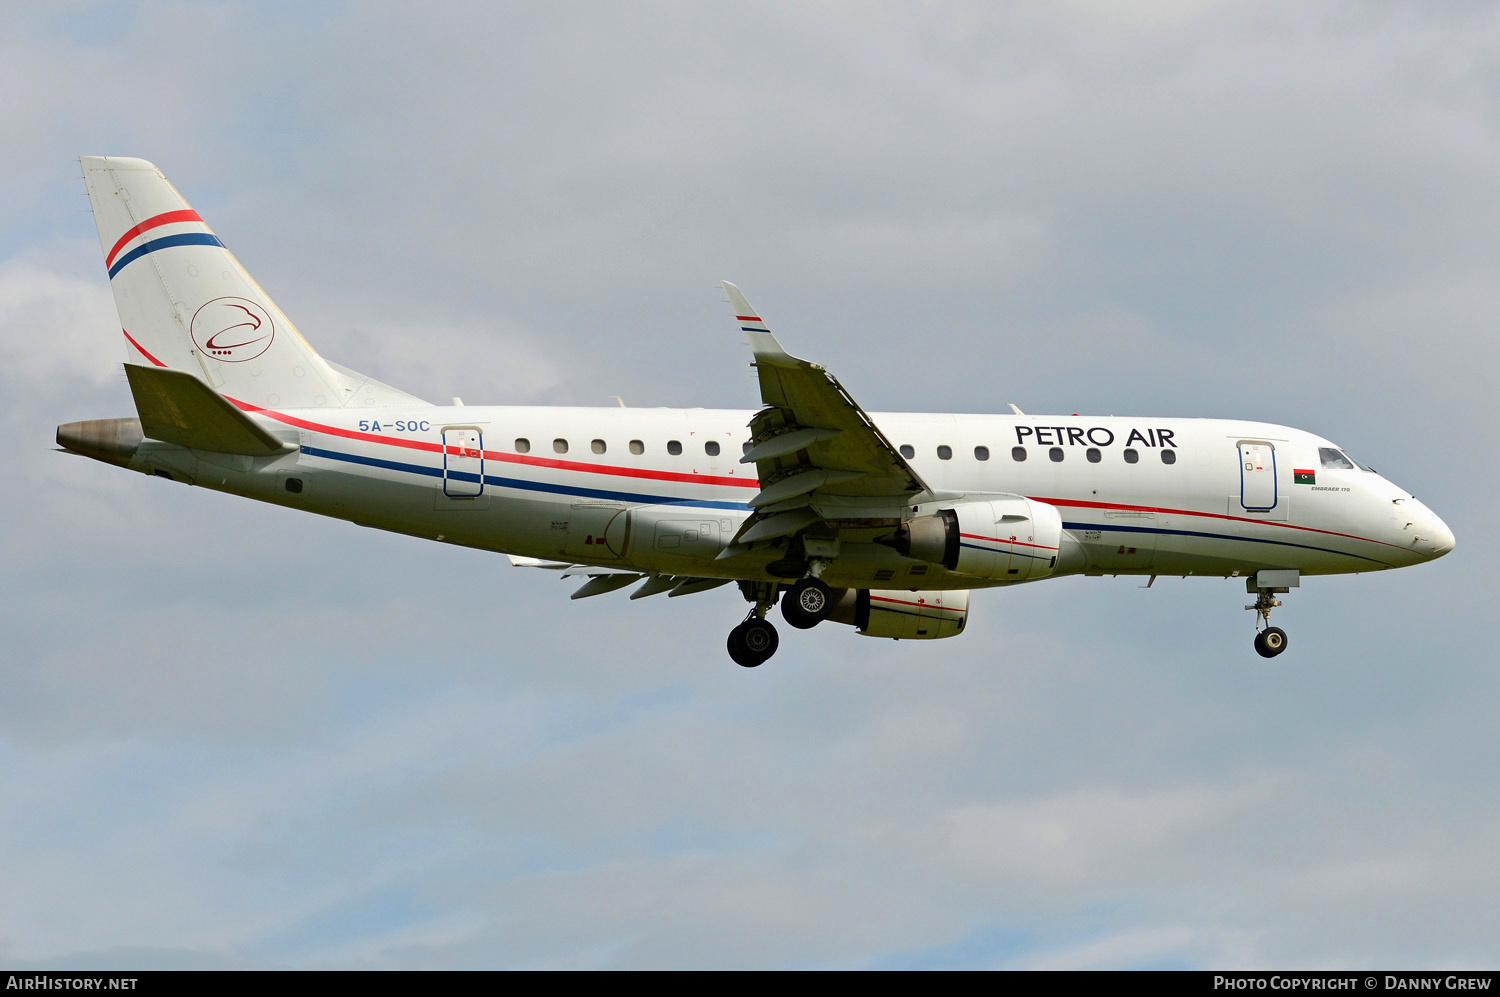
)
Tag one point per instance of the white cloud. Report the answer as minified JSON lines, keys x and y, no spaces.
{"x":55,"y":323}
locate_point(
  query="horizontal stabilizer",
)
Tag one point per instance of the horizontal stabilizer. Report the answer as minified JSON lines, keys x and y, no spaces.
{"x":176,"y":407}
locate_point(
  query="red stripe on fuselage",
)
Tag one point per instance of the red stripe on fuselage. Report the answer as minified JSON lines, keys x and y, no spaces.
{"x":165,"y":218}
{"x":568,"y":465}
{"x":1081,"y":504}
{"x":548,"y":462}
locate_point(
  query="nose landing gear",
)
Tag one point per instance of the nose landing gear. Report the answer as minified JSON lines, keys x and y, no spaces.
{"x":1269,"y":641}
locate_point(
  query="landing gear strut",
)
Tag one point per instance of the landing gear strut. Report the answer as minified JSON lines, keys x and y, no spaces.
{"x":754,"y":641}
{"x":1269,"y":641}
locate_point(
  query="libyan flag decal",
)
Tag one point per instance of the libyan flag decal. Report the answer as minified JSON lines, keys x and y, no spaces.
{"x":1303,"y":477}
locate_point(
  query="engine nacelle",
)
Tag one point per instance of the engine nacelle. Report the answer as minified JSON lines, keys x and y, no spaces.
{"x":904,"y":614}
{"x":1007,"y":539}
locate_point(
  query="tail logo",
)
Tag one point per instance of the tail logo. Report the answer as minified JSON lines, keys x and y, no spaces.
{"x":232,"y":329}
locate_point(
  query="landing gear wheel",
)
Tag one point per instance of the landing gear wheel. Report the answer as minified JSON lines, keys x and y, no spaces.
{"x":752,"y":642}
{"x":807,"y":603}
{"x":1270,"y":642}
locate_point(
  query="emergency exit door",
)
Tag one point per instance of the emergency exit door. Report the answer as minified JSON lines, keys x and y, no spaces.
{"x":1257,"y":476}
{"x":463,"y":463}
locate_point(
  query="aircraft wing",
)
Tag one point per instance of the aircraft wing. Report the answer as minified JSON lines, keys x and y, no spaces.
{"x":819,"y":457}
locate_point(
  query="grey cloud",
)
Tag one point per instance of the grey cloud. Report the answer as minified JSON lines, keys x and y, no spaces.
{"x":240,"y":737}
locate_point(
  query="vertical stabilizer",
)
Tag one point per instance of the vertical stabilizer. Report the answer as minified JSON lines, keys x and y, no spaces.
{"x":186,"y":303}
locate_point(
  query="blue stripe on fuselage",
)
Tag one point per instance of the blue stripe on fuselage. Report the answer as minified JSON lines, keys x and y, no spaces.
{"x":1218,"y":536}
{"x":521,"y":483}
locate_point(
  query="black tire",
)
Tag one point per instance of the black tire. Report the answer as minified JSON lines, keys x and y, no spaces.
{"x":1270,"y":642}
{"x":740,"y":654}
{"x":807,"y":603}
{"x":752,"y":643}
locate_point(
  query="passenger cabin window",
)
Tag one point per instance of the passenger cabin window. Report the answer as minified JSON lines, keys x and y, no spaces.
{"x":1056,"y":455}
{"x":981,"y":453}
{"x":637,"y":447}
{"x":711,"y":448}
{"x":559,"y":445}
{"x":1335,"y":459}
{"x":1018,"y":454}
{"x":945,"y":452}
{"x":1093,"y":454}
{"x":1132,"y":455}
{"x":908,"y":451}
{"x":1169,"y":456}
{"x":523,"y":445}
{"x":597,"y":446}
{"x":674,"y":447}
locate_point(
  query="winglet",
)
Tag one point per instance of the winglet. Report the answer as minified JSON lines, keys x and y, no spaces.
{"x":762,"y":343}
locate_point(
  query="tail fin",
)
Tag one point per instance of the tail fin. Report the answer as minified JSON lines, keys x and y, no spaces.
{"x":186,"y":303}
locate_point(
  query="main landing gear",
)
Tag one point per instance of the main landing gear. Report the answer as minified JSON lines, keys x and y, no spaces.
{"x":1269,"y":641}
{"x":754,"y":641}
{"x":807,"y":603}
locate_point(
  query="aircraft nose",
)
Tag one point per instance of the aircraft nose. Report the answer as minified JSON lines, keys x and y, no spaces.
{"x":1442,"y":537}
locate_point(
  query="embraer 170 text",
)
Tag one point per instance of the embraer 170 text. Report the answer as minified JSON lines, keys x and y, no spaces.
{"x":885,"y":521}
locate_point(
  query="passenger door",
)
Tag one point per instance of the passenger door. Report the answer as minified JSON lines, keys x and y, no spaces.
{"x":1258,"y":484}
{"x":463,"y":462}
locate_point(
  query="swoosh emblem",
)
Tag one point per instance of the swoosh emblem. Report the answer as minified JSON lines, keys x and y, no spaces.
{"x":254,"y":324}
{"x":214,"y":344}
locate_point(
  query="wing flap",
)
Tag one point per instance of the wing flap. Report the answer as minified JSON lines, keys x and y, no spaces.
{"x":599,"y":584}
{"x":786,"y":444}
{"x":690,"y":586}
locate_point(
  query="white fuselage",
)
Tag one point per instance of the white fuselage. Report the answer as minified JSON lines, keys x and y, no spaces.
{"x":644,"y":489}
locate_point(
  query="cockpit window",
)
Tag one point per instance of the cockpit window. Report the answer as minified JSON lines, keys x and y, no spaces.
{"x":1335,"y":459}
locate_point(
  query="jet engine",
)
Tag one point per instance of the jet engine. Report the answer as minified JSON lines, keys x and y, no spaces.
{"x":904,"y":614}
{"x":1008,"y":539}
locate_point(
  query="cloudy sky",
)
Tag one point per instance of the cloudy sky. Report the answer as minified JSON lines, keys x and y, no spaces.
{"x":232,"y":736}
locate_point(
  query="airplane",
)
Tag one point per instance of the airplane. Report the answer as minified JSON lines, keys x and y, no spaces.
{"x":883,"y":521}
